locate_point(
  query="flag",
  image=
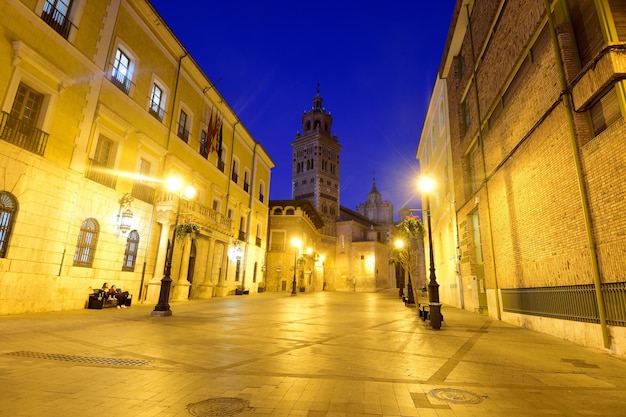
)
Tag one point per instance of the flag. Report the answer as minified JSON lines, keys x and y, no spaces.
{"x":217,"y":141}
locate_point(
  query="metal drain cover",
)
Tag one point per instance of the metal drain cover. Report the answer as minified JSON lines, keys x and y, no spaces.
{"x":456,"y":396}
{"x":217,"y":407}
{"x":80,"y":359}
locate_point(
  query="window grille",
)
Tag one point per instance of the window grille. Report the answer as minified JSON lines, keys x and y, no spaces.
{"x":86,"y":245}
{"x":130,"y":253}
{"x":8,"y":210}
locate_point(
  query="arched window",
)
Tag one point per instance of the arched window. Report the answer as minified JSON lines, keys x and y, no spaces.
{"x":8,"y":210}
{"x":86,"y":245}
{"x":130,"y":254}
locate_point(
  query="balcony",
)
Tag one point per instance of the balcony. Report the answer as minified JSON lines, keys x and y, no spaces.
{"x":56,"y":19}
{"x":234,"y":176}
{"x":608,"y":68}
{"x":100,"y":173}
{"x":120,"y":80}
{"x":220,"y":165}
{"x":183,"y":133}
{"x":258,"y":242}
{"x":242,"y":236}
{"x":156,"y":111}
{"x":206,"y":217}
{"x":22,"y":134}
{"x":204,"y":151}
{"x":143,"y":192}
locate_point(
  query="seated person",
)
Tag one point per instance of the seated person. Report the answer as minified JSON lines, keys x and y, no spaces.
{"x":119,"y":295}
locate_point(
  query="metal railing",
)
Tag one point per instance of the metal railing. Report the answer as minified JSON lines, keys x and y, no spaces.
{"x":183,"y":133}
{"x":143,"y":192}
{"x":205,"y":216}
{"x":56,"y":19}
{"x":570,"y":302}
{"x":22,"y":134}
{"x":157,"y":111}
{"x":120,"y":80}
{"x":101,"y":174}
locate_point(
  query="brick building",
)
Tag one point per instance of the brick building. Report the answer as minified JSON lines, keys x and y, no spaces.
{"x":100,"y":104}
{"x":536,"y":97}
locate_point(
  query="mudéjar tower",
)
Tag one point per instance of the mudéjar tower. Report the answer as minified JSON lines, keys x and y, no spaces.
{"x":316,"y":163}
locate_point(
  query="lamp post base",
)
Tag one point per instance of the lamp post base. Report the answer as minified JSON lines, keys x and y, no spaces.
{"x":435,"y":315}
{"x":156,"y":313}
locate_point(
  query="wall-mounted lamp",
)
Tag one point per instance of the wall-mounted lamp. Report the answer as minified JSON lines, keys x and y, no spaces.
{"x":125,"y":214}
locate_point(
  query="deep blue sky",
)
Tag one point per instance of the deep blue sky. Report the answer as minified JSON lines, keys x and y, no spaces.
{"x":376,"y":62}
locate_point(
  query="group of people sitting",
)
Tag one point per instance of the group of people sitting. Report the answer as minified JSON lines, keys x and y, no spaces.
{"x":115,"y":293}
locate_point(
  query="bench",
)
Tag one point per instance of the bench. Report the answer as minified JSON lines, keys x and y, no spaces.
{"x":99,"y":300}
{"x":241,"y":291}
{"x":424,"y":311}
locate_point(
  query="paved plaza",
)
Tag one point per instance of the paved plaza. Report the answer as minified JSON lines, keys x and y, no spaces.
{"x":315,"y":355}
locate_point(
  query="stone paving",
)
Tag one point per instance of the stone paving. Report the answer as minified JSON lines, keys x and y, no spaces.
{"x":314,"y":355}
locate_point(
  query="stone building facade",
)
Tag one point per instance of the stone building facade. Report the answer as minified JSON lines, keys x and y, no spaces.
{"x":100,"y":104}
{"x":375,"y":208}
{"x":536,"y":97}
{"x":434,"y":154}
{"x":316,"y":164}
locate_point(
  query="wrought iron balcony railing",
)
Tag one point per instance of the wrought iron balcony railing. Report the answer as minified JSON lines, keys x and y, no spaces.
{"x":56,"y":19}
{"x":143,"y":192}
{"x":121,"y":80}
{"x":100,"y":173}
{"x":20,"y":133}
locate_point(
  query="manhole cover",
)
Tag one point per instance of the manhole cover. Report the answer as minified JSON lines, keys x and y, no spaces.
{"x":456,"y":396}
{"x":214,"y":407}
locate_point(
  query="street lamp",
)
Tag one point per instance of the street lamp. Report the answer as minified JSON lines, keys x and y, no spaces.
{"x":427,"y":185}
{"x":162,"y":308}
{"x":297,"y":244}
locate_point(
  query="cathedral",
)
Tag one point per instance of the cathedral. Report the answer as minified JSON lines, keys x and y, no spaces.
{"x":315,"y":243}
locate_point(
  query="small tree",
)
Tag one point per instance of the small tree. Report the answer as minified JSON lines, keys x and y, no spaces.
{"x":407,"y":254}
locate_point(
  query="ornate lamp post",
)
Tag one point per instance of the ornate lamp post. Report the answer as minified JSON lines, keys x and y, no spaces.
{"x":297,"y":244}
{"x":427,"y":185}
{"x":163,"y":308}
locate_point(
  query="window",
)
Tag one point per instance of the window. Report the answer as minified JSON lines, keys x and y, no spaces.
{"x":465,"y":116}
{"x":157,"y":102}
{"x":104,"y":157}
{"x":8,"y":210}
{"x":56,"y":15}
{"x":261,"y":192}
{"x":20,"y":126}
{"x":235,"y":171}
{"x":204,"y":151}
{"x":605,"y":112}
{"x":278,"y":240}
{"x":242,"y":227}
{"x":86,"y":245}
{"x":122,"y":72}
{"x":221,"y":164}
{"x":471,"y":170}
{"x":183,"y":132}
{"x":130,"y":253}
{"x":246,"y":180}
{"x":258,"y":235}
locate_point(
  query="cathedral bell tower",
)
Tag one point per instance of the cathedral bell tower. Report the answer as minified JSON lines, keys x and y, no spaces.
{"x":315,"y":164}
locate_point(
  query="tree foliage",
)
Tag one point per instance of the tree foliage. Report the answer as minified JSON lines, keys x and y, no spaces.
{"x":410,"y":231}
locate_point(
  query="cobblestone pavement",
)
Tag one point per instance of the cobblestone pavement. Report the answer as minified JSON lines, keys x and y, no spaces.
{"x":314,"y":355}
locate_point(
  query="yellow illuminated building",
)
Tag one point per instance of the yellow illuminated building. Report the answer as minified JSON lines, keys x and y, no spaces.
{"x":100,"y":105}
